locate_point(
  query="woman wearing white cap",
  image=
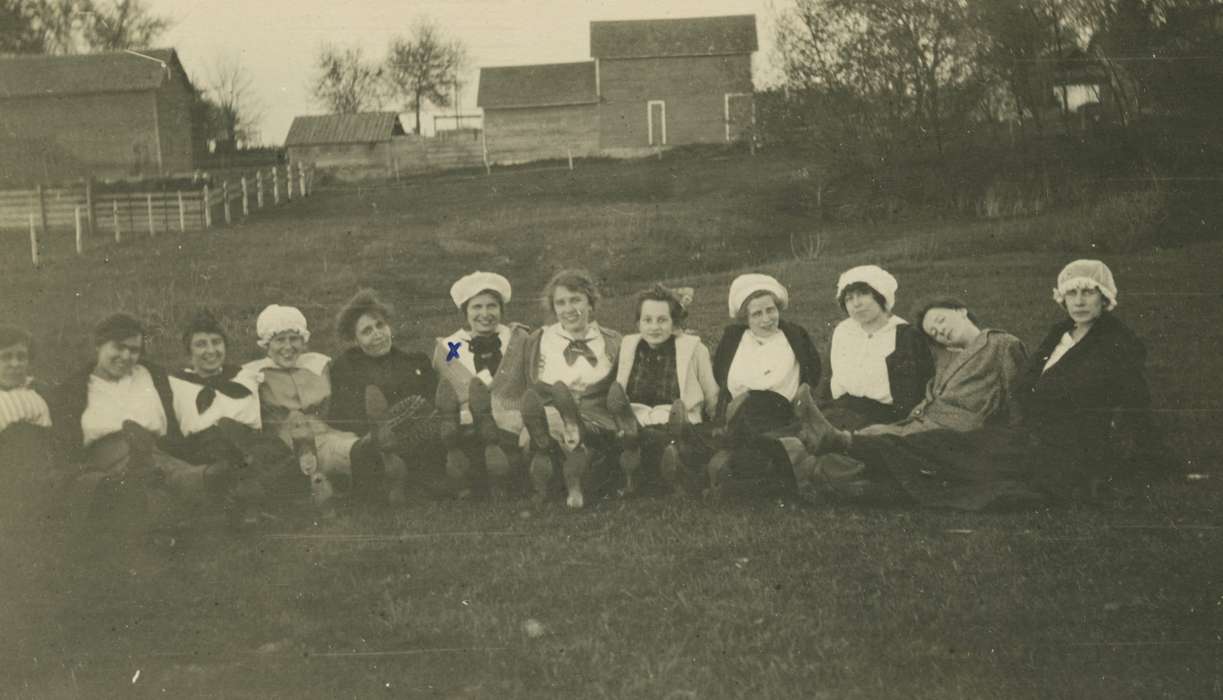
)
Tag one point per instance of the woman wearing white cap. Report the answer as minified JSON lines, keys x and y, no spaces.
{"x":880,"y":364}
{"x":665,"y":382}
{"x":570,"y":365}
{"x":294,"y":390}
{"x":1079,"y":397}
{"x":759,"y":364}
{"x":483,"y":371}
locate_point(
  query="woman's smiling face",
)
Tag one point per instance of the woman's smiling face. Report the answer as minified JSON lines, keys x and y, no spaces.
{"x":763,"y":315}
{"x":484,"y":313}
{"x":655,"y":322}
{"x":207,"y":353}
{"x":373,"y":335}
{"x":285,"y":347}
{"x":572,"y":309}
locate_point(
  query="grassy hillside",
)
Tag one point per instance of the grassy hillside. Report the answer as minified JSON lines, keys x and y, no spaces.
{"x":645,"y":598}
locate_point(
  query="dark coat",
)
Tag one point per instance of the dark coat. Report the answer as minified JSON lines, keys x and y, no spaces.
{"x":809,"y":368}
{"x":68,"y":402}
{"x":397,"y":375}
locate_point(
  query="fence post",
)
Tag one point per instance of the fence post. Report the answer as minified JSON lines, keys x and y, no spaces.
{"x":246,"y":200}
{"x":301,"y":178}
{"x":114,"y":210}
{"x":152,"y":228}
{"x":182,"y":214}
{"x":288,"y":182}
{"x":89,"y":213}
{"x":488,"y":170}
{"x":207,"y":208}
{"x":77,"y":215}
{"x":42,"y":208}
{"x":34,"y":238}
{"x":570,"y":158}
{"x":259,"y":188}
{"x":275,"y":186}
{"x":225,"y":200}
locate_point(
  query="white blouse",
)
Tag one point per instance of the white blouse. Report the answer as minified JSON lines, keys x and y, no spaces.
{"x":764,"y":364}
{"x":1063,"y":346}
{"x":859,"y":360}
{"x":581,"y":374}
{"x":109,"y":404}
{"x":191,"y":421}
{"x":23,"y":405}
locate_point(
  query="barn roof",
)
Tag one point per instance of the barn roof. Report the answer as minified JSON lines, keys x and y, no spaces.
{"x":23,"y":76}
{"x":544,"y":85}
{"x":364,"y":127}
{"x":653,"y":38}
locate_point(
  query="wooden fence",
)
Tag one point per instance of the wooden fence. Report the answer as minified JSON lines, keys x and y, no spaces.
{"x":91,"y":213}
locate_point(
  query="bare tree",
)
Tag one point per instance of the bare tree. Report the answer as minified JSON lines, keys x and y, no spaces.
{"x":233,"y":109}
{"x":19,"y":30}
{"x":344,"y":82}
{"x":123,"y":24}
{"x":424,"y":68}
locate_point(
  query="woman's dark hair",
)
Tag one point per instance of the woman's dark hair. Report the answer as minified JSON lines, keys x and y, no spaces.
{"x":12,"y":335}
{"x":577,"y":280}
{"x":117,"y":328}
{"x":679,"y":315}
{"x":365,"y":301}
{"x":496,"y":295}
{"x":940,"y":302}
{"x":203,"y":322}
{"x":861,"y":288}
{"x":741,"y":314}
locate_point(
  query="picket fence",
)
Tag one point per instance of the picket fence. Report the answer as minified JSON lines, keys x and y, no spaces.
{"x":91,"y":213}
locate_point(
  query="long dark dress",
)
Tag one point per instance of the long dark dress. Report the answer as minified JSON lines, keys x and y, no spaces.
{"x":1085,"y":418}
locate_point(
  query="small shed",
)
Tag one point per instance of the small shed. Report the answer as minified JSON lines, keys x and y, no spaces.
{"x":107,"y":115}
{"x":346,"y":141}
{"x":539,"y":111}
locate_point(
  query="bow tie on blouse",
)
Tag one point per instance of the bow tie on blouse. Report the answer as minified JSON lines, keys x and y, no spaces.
{"x":486,"y":352}
{"x":217,"y":384}
{"x":580,"y":348}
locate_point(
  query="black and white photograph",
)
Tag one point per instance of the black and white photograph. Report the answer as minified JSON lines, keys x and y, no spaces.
{"x":677,"y":349}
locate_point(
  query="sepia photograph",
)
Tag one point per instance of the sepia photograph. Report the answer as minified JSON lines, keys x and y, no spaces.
{"x":677,"y":349}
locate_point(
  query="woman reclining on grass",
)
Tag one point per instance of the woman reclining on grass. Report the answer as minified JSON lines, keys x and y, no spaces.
{"x":1079,"y":397}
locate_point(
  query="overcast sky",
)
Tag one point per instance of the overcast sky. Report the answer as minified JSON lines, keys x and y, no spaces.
{"x":277,"y":39}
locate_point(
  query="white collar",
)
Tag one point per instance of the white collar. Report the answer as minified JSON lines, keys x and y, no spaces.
{"x":592,"y":332}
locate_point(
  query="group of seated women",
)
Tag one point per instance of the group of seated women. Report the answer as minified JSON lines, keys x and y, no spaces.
{"x":945,"y":412}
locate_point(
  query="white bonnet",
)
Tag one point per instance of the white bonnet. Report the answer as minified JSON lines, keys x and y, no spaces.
{"x":471,"y":285}
{"x":278,"y":319}
{"x":1086,"y":274}
{"x":746,"y":285}
{"x":873,"y":276}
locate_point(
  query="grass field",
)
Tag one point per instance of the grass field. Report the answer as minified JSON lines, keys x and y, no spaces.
{"x":653,"y":597}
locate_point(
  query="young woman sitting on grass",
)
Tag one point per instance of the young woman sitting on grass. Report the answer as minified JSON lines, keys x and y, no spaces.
{"x":484,"y":378}
{"x":665,"y":377}
{"x":570,"y":365}
{"x":880,"y":364}
{"x":25,"y":431}
{"x":217,"y":408}
{"x":759,"y":363}
{"x":294,"y":390}
{"x":116,"y":419}
{"x":1079,"y":397}
{"x":371,"y":377}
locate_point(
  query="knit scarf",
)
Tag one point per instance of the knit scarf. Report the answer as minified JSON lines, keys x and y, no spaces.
{"x":486,"y":352}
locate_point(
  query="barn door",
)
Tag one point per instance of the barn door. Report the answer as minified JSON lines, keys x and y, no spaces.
{"x":740,"y":115}
{"x":656,"y":115}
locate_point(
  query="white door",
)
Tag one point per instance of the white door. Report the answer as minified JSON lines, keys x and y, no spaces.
{"x":656,"y":118}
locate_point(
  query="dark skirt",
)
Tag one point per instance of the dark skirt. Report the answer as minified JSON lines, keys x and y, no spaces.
{"x":754,"y":436}
{"x":855,"y":412}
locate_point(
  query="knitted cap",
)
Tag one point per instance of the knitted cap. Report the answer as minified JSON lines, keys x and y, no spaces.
{"x":278,"y":319}
{"x":1086,"y":274}
{"x":471,"y":285}
{"x":874,"y":277}
{"x":746,"y":285}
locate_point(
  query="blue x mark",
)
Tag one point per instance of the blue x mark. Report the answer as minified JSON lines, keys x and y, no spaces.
{"x":454,"y":350}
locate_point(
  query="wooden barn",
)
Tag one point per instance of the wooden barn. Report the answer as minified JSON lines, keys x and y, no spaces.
{"x":106,"y":115}
{"x":347,"y":141}
{"x":540,"y":111}
{"x":670,"y":82}
{"x":652,"y":84}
